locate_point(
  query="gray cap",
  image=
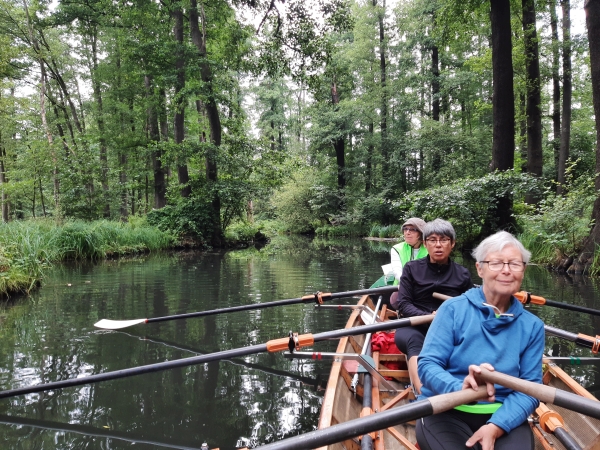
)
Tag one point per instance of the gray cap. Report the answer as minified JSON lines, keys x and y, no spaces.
{"x":419,"y":224}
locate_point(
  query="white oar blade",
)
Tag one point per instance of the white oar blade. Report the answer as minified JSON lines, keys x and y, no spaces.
{"x":108,"y":324}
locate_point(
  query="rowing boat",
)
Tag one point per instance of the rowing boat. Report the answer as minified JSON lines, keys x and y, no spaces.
{"x":343,"y":399}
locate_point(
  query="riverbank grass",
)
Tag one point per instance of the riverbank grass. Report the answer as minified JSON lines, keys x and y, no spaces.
{"x":28,"y":249}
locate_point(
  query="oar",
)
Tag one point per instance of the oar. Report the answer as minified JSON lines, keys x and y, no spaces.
{"x":544,"y":393}
{"x":573,"y":360}
{"x":294,"y":342}
{"x":526,"y":298}
{"x":319,"y":298}
{"x":379,"y":421}
{"x":583,"y":340}
{"x":87,"y":430}
{"x":552,"y":422}
{"x":237,"y":361}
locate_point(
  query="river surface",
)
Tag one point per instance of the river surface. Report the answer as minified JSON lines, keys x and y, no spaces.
{"x":247,"y":401}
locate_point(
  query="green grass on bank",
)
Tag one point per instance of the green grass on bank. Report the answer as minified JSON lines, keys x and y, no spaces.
{"x":28,"y":248}
{"x":386,"y":231}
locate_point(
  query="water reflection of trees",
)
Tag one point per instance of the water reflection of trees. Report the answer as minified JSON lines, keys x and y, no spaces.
{"x":51,"y":338}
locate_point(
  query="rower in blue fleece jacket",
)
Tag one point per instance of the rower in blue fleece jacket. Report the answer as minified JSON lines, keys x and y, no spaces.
{"x":466,"y":332}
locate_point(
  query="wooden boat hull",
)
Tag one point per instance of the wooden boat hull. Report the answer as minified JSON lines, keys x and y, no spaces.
{"x":341,"y":404}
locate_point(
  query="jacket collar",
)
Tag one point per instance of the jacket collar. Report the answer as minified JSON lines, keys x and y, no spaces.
{"x":490,"y":322}
{"x":439,"y":267}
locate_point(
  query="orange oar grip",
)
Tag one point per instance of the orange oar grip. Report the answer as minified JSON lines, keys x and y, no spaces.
{"x":549,"y":420}
{"x":318,"y":297}
{"x":526,"y":297}
{"x":277,"y":345}
{"x":595,"y":341}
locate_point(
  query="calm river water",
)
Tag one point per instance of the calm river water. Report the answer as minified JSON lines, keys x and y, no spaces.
{"x":248,"y":401}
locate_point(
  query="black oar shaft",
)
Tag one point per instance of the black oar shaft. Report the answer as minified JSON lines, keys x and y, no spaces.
{"x":570,"y":307}
{"x":290,"y":301}
{"x":527,"y":298}
{"x":566,"y":439}
{"x":576,"y":403}
{"x":379,"y":421}
{"x":546,"y":394}
{"x":217,"y":356}
{"x":226,"y":354}
{"x":381,"y":326}
{"x":212,"y":312}
{"x":305,"y":340}
{"x":581,"y":340}
{"x":366,"y":442}
{"x":87,"y":430}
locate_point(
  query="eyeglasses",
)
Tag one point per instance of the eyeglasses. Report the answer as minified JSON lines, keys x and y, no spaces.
{"x":443,"y":241}
{"x":513,"y":266}
{"x":410,"y":230}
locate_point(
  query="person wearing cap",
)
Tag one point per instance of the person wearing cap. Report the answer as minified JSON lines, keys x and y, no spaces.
{"x":411,"y":248}
{"x":421,"y":278}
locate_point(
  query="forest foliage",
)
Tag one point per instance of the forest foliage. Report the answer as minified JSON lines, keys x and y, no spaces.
{"x":297,"y":116}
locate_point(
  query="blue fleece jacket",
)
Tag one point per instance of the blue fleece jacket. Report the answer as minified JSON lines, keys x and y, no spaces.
{"x":465,"y":332}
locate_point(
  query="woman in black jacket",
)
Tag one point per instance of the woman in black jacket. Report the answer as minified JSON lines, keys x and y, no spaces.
{"x":420,"y":279}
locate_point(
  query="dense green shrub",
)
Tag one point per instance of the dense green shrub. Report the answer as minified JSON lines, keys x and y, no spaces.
{"x":340,"y":230}
{"x":294,"y":203}
{"x":190,"y":217}
{"x":248,"y":232}
{"x":467,"y":204}
{"x":560,"y":224}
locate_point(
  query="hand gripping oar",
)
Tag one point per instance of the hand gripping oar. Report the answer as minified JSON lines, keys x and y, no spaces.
{"x":379,"y":421}
{"x":319,"y":298}
{"x":293,"y":342}
{"x":526,"y":298}
{"x":544,"y":393}
{"x":582,"y":340}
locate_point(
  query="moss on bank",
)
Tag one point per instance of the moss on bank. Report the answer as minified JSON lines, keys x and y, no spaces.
{"x":28,"y":248}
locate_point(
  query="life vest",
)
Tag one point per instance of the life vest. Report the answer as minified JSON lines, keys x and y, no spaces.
{"x":405,"y":252}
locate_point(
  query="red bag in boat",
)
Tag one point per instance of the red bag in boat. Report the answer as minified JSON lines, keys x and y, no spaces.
{"x":383,"y":342}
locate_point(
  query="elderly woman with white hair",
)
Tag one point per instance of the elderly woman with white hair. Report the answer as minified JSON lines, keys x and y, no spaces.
{"x":484,"y":326}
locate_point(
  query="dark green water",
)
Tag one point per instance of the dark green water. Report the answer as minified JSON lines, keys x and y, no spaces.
{"x":250,"y":401}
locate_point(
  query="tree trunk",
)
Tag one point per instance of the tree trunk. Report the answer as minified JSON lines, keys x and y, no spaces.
{"x":522,"y":139}
{"x":435,"y":84}
{"x":43,"y":89}
{"x":100,"y":122}
{"x":592,"y":12}
{"x":42,"y":196}
{"x":436,"y":161}
{"x":533,"y":86}
{"x":179,"y":122}
{"x":384,"y":98}
{"x":54,"y":69}
{"x":63,"y":108}
{"x":59,"y":125}
{"x":160,"y":199}
{"x":503,"y":108}
{"x":555,"y":86}
{"x":212,"y":113}
{"x":565,"y":132}
{"x":3,"y":181}
{"x":369,"y":159}
{"x":338,"y":144}
{"x":55,"y":175}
